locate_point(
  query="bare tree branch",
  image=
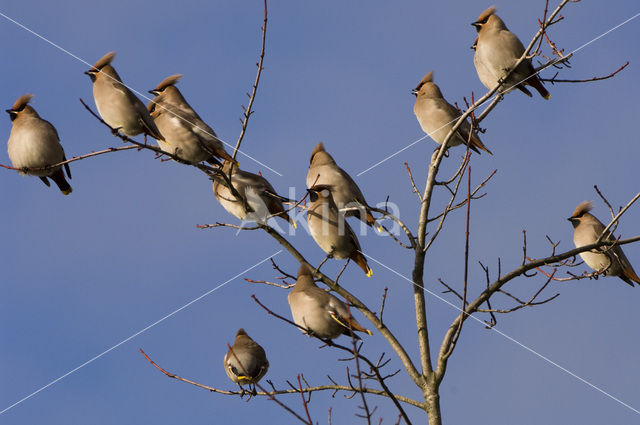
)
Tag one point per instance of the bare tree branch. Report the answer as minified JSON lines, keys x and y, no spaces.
{"x":247,"y":111}
{"x":75,"y":158}
{"x":554,"y":80}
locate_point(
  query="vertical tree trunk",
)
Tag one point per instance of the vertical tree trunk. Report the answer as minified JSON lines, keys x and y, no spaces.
{"x":432,"y":398}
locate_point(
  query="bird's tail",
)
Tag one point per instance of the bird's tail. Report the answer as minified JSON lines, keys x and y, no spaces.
{"x":359,"y":259}
{"x":477,"y":144}
{"x":287,"y":217}
{"x":224,"y":155}
{"x":372,"y":221}
{"x":58,"y":178}
{"x":535,"y":82}
{"x":630,"y":274}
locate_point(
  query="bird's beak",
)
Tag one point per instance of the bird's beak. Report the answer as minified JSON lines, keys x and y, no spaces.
{"x":154,"y":92}
{"x":8,"y":111}
{"x":414,"y":92}
{"x":476,"y":24}
{"x":572,"y":219}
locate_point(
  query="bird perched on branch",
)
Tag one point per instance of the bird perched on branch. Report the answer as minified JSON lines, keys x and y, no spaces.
{"x":34,"y":143}
{"x":611,"y":261}
{"x":254,"y":191}
{"x":319,"y":312}
{"x":245,"y":362}
{"x":187,"y":135}
{"x":330,"y":230}
{"x":323,"y":171}
{"x":497,"y":51}
{"x":117,"y":106}
{"x":437,"y":117}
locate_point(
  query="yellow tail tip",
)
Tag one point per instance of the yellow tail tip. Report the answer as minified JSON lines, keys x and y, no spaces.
{"x":66,"y":192}
{"x":368,"y":332}
{"x":379,"y":228}
{"x":548,"y":96}
{"x":369,"y":272}
{"x":293,"y":223}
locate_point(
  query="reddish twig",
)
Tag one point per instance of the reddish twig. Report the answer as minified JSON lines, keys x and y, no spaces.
{"x":554,"y":80}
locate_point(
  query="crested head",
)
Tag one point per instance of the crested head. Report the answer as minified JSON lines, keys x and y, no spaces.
{"x":485,"y":15}
{"x":304,"y":270}
{"x":305,"y":278}
{"x":320,"y":155}
{"x":582,"y":208}
{"x":427,"y":88}
{"x":169,"y":81}
{"x":105,"y":60}
{"x":240,"y":332}
{"x":426,"y":79}
{"x":22,"y":102}
{"x":318,"y":148}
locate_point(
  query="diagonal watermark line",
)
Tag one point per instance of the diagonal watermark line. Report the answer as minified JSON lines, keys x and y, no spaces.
{"x":132,"y":89}
{"x":493,"y":328}
{"x":136,"y":334}
{"x":510,"y":88}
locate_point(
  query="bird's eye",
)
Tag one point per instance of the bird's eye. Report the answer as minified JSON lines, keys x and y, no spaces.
{"x":313,"y":196}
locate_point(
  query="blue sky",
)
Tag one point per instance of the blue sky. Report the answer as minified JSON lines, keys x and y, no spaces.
{"x":84,"y":272}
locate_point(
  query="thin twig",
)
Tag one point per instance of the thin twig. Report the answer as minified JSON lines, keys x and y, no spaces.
{"x":75,"y":158}
{"x":247,"y":111}
{"x":331,"y":343}
{"x":554,"y":80}
{"x":304,"y":401}
{"x":413,"y":183}
{"x":617,"y":217}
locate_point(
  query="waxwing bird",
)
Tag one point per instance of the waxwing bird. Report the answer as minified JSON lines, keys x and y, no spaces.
{"x":254,"y":190}
{"x":323,"y":171}
{"x":34,"y":143}
{"x":330,"y":230}
{"x":437,"y":116}
{"x":586,"y":231}
{"x":117,"y":106}
{"x":497,"y":51}
{"x":318,"y":311}
{"x":188,"y":137}
{"x":246,"y":361}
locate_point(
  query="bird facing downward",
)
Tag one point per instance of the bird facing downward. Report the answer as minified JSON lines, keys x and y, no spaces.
{"x":34,"y":143}
{"x":188,"y":137}
{"x":246,"y":361}
{"x":324,"y":171}
{"x":319,"y":312}
{"x":254,"y":190}
{"x":497,"y":51}
{"x":610,"y":261}
{"x":330,"y":230}
{"x":117,"y":106}
{"x":437,"y":117}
